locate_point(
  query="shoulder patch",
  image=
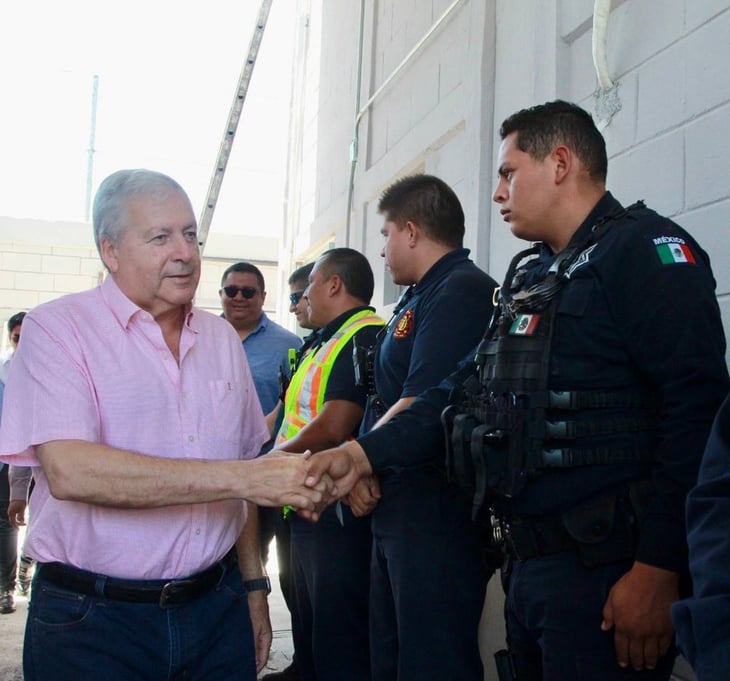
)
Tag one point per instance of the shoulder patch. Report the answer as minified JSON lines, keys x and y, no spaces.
{"x":404,"y":326}
{"x":673,"y":249}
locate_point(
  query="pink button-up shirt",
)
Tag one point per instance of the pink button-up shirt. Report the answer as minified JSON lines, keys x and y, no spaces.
{"x":93,"y":366}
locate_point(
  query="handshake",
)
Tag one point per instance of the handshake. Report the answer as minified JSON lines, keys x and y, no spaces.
{"x":307,"y":482}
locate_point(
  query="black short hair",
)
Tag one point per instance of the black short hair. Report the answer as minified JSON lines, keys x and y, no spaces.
{"x":430,"y":203}
{"x":246,"y":268}
{"x":301,"y":274}
{"x":16,"y":320}
{"x":543,"y":127}
{"x":354,"y":270}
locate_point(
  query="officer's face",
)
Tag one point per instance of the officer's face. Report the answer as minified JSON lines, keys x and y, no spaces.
{"x":317,"y":295}
{"x":525,"y":191}
{"x":397,"y":250}
{"x":300,"y":309}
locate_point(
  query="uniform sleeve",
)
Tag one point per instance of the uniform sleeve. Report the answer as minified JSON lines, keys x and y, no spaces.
{"x":703,"y":621}
{"x":416,"y":435}
{"x":48,"y":395}
{"x":451,"y":322}
{"x":670,"y":321}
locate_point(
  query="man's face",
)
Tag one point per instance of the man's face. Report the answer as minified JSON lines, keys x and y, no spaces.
{"x":397,"y":251}
{"x":525,"y":191}
{"x":242,"y":312}
{"x":316,"y":297}
{"x":15,"y":336}
{"x":156,"y":263}
{"x":299,"y":309}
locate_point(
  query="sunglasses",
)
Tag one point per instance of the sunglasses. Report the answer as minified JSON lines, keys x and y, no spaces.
{"x":295,"y":297}
{"x":246,"y":291}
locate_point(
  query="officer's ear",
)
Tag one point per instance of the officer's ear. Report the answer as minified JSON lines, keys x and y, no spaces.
{"x":563,"y":160}
{"x":414,"y":232}
{"x":335,"y":285}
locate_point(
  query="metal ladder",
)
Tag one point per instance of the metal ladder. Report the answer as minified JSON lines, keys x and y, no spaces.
{"x":230,"y":132}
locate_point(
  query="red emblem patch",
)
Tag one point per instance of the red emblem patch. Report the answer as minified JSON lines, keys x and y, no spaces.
{"x":404,"y":325}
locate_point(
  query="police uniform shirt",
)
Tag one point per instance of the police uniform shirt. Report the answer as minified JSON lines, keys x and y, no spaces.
{"x":446,"y":313}
{"x":639,"y":310}
{"x":341,"y":384}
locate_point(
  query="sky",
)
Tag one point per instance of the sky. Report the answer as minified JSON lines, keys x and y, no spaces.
{"x":167,"y":75}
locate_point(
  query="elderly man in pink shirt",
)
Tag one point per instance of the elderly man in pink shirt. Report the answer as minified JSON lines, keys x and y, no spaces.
{"x":139,"y":416}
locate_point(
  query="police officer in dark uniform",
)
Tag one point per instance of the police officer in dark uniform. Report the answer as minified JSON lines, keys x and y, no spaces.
{"x":330,"y":561}
{"x":580,"y":426}
{"x":422,"y":626}
{"x":703,"y":621}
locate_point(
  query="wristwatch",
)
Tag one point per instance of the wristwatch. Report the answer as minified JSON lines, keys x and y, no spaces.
{"x":259,"y":584}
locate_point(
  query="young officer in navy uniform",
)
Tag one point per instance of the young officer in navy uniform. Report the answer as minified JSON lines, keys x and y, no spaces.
{"x":421,"y":525}
{"x":583,"y":419}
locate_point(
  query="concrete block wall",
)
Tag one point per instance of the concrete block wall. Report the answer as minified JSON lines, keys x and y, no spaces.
{"x":42,"y":260}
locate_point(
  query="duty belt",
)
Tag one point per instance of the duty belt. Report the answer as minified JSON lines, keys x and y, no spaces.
{"x":601,"y":532}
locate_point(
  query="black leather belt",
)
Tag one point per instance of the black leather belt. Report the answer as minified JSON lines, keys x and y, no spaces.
{"x":166,"y":593}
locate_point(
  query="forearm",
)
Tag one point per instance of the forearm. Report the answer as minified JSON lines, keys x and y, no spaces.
{"x":330,"y":428}
{"x":402,"y":404}
{"x":97,"y":474}
{"x":247,"y":545}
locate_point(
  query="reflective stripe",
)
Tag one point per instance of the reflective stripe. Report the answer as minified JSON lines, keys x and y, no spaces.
{"x":308,"y":386}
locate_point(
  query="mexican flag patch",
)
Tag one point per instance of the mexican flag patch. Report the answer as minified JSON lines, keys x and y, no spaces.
{"x":524,"y":325}
{"x":674,"y":252}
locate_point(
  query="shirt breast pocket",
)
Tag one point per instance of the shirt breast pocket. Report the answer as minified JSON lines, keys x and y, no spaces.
{"x":225,"y":411}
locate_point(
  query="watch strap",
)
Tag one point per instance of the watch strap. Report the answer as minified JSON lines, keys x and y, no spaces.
{"x":258,"y":584}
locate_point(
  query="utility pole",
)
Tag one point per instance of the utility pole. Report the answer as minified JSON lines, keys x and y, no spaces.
{"x":92,"y":141}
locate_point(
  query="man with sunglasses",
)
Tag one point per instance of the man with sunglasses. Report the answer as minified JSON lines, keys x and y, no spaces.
{"x":267,"y":344}
{"x":138,"y":413}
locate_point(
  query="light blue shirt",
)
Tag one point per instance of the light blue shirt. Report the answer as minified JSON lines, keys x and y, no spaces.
{"x":267,"y":349}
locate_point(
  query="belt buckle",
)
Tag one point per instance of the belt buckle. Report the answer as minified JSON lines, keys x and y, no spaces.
{"x":171,"y":589}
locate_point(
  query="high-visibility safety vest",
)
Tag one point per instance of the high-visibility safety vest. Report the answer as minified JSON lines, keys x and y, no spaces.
{"x":308,"y":385}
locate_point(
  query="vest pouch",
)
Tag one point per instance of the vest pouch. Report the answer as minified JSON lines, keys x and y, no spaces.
{"x":459,"y":466}
{"x":603,"y":531}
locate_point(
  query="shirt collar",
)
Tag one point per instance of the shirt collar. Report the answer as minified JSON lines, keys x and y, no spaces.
{"x":606,"y":204}
{"x":328,"y":330}
{"x":125,"y":310}
{"x":440,"y":267}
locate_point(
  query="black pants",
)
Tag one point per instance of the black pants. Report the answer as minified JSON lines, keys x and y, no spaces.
{"x":8,"y":537}
{"x":331,"y":575}
{"x":428,"y":582}
{"x":554,"y":610}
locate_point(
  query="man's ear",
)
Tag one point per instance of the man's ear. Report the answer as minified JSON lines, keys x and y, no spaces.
{"x":414,"y":232}
{"x":109,"y":255}
{"x":334,"y":285}
{"x":563,"y":160}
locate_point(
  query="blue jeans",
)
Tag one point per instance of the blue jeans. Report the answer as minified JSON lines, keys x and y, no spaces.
{"x":76,"y":637}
